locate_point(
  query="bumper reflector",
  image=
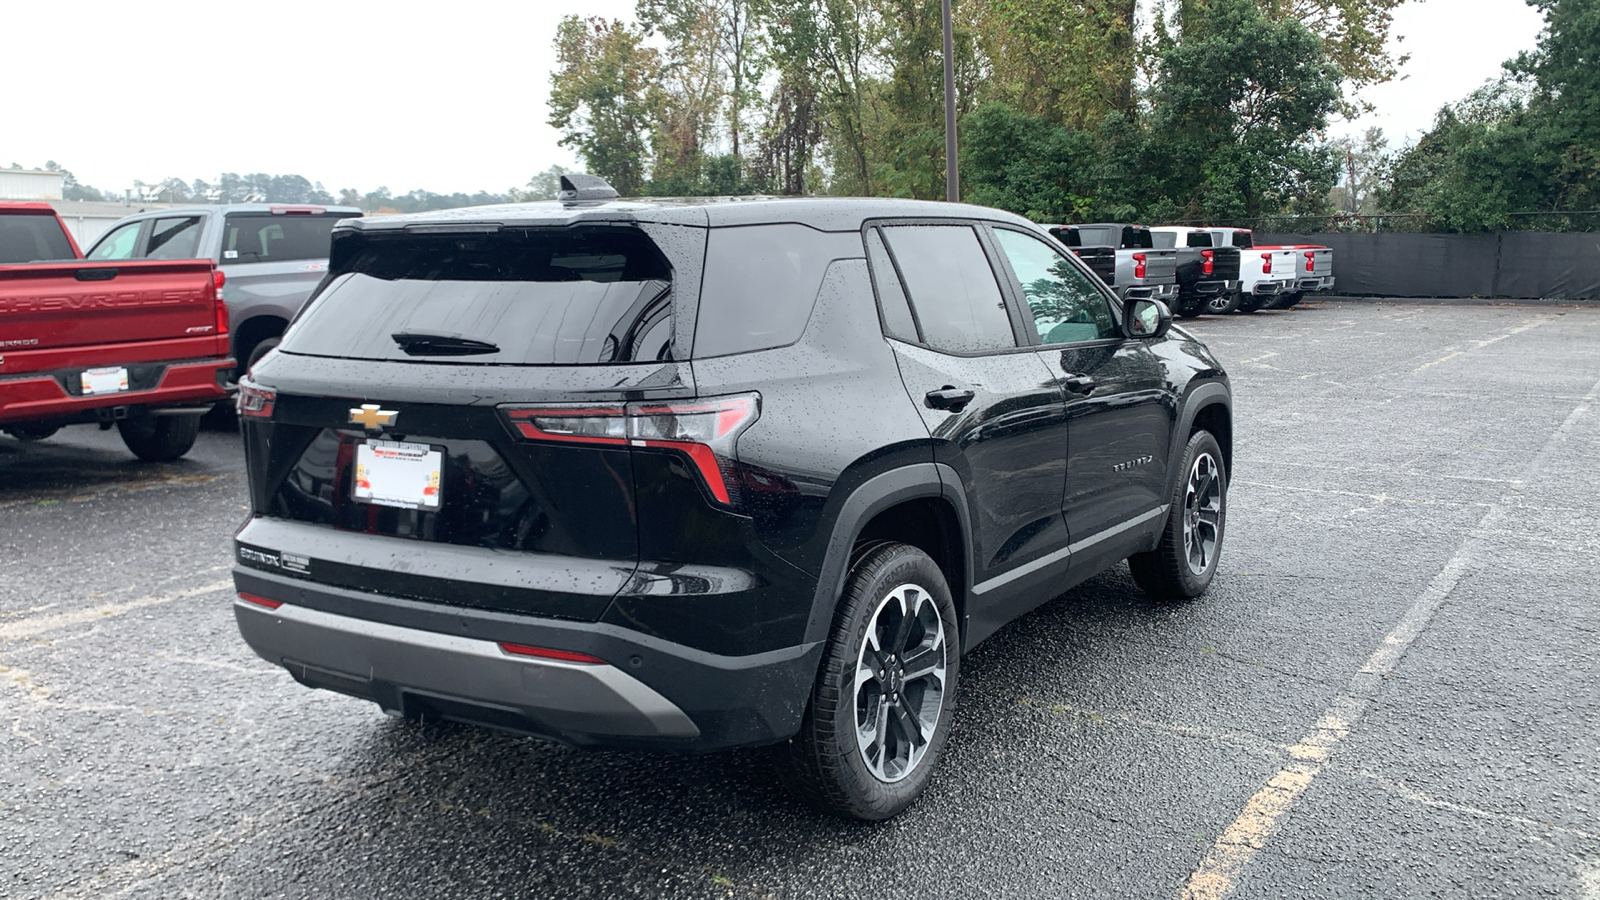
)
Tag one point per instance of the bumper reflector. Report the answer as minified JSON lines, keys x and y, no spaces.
{"x":546,"y":653}
{"x":260,"y":601}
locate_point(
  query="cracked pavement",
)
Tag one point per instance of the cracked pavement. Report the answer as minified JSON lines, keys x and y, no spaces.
{"x":1105,"y":745}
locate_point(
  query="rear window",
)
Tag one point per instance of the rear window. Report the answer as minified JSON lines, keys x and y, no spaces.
{"x":1166,"y":240}
{"x":1136,"y":239}
{"x":1067,"y":236}
{"x":760,"y":283}
{"x":1095,"y":236}
{"x":30,"y":237}
{"x":1199,"y":239}
{"x":568,"y":297}
{"x":264,"y":237}
{"x":1243,"y":239}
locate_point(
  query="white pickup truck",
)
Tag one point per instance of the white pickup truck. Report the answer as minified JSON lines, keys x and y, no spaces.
{"x":1313,"y":272}
{"x":1266,"y":274}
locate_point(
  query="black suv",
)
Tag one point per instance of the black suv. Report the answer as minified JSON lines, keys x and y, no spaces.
{"x":694,"y":475}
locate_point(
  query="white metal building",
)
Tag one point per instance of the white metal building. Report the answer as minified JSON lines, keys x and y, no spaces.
{"x":30,"y":184}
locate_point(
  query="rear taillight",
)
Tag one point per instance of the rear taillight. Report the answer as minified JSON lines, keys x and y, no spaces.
{"x":218,"y":279}
{"x":1138,"y":265}
{"x":703,"y":430}
{"x":260,"y":601}
{"x":1266,"y":263}
{"x":547,"y":653}
{"x":253,"y":402}
{"x":1208,"y":262}
{"x":1311,"y":261}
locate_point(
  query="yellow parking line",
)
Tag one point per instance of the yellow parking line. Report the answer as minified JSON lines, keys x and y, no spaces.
{"x":25,"y":628}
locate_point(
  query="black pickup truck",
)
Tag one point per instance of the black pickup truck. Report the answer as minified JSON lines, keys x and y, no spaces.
{"x":1100,"y":260}
{"x":1208,"y":276}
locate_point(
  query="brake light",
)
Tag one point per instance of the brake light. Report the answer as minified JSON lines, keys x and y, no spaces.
{"x":218,"y":279}
{"x":1266,"y":263}
{"x":260,"y":601}
{"x":254,"y":402}
{"x":1311,"y":261}
{"x":1208,"y":262}
{"x":704,"y":430}
{"x":1138,"y":265}
{"x":547,"y":653}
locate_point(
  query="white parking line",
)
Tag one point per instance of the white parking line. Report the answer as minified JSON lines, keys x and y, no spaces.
{"x":1218,"y":873}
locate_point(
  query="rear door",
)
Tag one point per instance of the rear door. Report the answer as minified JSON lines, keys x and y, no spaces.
{"x":992,"y":408}
{"x":1119,"y":408}
{"x":277,"y":257}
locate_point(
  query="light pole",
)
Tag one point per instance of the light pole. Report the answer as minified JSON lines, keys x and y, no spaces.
{"x":952,"y":180}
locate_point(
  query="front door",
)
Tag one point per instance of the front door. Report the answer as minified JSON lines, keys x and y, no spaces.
{"x":1120,"y":410}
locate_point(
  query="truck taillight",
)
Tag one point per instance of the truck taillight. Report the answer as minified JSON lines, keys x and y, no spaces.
{"x":218,"y":279}
{"x":1266,"y":263}
{"x":254,"y":402}
{"x":1208,"y":262}
{"x":704,"y":430}
{"x":1138,"y":265}
{"x":1311,"y":261}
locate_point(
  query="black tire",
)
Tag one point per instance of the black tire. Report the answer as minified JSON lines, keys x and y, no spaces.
{"x":159,"y":438}
{"x":1169,"y":572}
{"x":1191,"y":309}
{"x":1223,"y":304}
{"x":1287,"y":300}
{"x":1250,"y":303}
{"x":32,"y":433}
{"x":827,"y":763}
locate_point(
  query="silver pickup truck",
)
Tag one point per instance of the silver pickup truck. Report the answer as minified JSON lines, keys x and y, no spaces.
{"x":1142,"y":270}
{"x":271,"y":257}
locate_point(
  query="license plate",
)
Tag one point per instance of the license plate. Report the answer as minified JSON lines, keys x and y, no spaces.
{"x":104,"y":381}
{"x":392,"y":473}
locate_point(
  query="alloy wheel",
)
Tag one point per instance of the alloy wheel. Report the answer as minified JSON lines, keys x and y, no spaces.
{"x":900,"y":682}
{"x":1202,"y":514}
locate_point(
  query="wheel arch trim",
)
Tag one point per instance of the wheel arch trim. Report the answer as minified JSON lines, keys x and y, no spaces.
{"x":1200,"y":397}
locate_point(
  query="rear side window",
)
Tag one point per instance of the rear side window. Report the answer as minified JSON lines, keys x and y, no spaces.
{"x":264,"y":237}
{"x":952,"y":287}
{"x":517,"y":297}
{"x":25,"y":238}
{"x":760,"y":284}
{"x":175,"y":238}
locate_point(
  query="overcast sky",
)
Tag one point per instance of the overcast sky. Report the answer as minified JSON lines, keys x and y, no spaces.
{"x":440,"y":96}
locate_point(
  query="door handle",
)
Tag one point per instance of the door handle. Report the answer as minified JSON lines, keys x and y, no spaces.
{"x":1079,"y":384}
{"x":947,"y":397}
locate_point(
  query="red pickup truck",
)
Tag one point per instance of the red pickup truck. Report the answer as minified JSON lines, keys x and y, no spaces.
{"x":140,"y":344}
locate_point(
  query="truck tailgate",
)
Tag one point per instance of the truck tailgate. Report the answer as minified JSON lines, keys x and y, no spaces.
{"x":61,"y":305}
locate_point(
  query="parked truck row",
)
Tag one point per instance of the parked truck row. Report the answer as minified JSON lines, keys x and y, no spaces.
{"x":1199,"y":270}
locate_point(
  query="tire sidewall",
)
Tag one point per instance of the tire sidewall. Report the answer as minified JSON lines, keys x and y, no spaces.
{"x":1202,"y":442}
{"x":864,"y":592}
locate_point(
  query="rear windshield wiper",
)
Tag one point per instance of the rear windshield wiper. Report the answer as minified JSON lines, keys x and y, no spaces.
{"x":423,"y":344}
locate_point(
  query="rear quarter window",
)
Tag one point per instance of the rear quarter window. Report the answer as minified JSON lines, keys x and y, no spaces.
{"x":760,"y":283}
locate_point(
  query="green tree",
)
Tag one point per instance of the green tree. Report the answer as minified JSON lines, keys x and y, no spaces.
{"x":605,"y":98}
{"x":1027,"y":164}
{"x":1239,"y":101}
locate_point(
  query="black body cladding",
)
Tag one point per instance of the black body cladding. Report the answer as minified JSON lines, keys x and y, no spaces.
{"x":705,"y":565}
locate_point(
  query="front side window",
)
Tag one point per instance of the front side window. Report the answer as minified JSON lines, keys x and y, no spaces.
{"x":1066,"y":306}
{"x":952,"y":287}
{"x":121,"y":243}
{"x":177,"y":238}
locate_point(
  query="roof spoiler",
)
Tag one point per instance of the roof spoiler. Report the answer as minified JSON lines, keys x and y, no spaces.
{"x":577,"y":187}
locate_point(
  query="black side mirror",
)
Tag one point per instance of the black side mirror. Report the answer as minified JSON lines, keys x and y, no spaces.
{"x":1144,"y":319}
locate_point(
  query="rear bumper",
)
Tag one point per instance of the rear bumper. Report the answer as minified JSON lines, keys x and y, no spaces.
{"x":42,"y":397}
{"x":1215,"y":288}
{"x":429,"y":660}
{"x":1166,"y":293}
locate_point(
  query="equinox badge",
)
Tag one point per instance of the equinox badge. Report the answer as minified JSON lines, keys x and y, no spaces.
{"x":370,"y":417}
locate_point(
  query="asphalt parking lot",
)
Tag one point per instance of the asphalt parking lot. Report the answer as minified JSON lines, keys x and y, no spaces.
{"x":1390,"y":690}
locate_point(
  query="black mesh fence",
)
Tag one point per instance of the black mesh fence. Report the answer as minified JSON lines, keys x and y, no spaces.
{"x":1514,"y":264}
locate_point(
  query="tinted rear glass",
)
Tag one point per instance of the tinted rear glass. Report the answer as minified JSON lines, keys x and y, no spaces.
{"x":1164,"y":240}
{"x":568,"y":297}
{"x":1096,"y":236}
{"x":25,"y":238}
{"x":1136,"y":239}
{"x":1243,"y":239}
{"x":1067,"y":236}
{"x":1199,"y":239}
{"x":760,"y":284}
{"x":263,"y":237}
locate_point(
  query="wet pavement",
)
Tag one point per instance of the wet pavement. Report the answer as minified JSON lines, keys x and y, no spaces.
{"x":1390,"y":690}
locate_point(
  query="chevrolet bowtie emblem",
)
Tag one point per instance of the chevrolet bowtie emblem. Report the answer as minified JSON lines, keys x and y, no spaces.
{"x":370,"y":417}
